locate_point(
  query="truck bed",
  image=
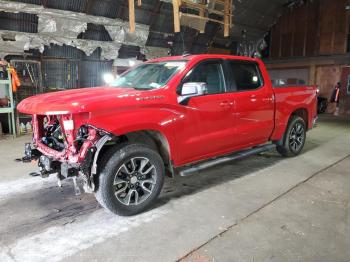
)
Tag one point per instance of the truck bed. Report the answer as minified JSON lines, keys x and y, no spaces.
{"x":290,"y":97}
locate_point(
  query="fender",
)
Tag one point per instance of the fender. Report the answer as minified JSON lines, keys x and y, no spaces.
{"x":290,"y":100}
{"x":163,"y":121}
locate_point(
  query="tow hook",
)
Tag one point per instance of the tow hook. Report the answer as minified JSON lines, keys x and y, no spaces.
{"x":76,"y":187}
{"x":77,"y":191}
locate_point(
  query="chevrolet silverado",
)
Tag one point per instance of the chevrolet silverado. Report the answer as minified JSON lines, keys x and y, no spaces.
{"x":168,"y":116}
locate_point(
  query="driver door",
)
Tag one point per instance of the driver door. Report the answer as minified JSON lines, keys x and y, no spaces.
{"x":208,"y":126}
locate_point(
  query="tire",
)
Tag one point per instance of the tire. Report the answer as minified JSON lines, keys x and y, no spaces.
{"x":294,"y":138}
{"x":131,"y":179}
{"x":322,"y":107}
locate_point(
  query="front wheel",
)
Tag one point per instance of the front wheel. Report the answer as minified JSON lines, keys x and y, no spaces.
{"x":294,"y":138}
{"x":131,"y":179}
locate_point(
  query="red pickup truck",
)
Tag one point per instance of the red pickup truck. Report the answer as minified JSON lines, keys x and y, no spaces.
{"x":172,"y":115}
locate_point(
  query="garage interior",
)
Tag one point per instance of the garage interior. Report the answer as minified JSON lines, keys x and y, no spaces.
{"x":262,"y":208}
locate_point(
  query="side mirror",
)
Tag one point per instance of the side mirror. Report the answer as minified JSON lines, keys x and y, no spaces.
{"x":192,"y":89}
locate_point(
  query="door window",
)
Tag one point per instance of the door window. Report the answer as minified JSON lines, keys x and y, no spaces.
{"x":246,"y":75}
{"x":210,"y":73}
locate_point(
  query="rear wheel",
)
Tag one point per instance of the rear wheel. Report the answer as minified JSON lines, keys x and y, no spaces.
{"x":294,"y":138}
{"x":131,"y":179}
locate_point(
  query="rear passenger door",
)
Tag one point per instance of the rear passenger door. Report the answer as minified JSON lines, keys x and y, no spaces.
{"x":253,"y":105}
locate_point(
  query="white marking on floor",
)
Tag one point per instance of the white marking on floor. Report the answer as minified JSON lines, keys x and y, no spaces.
{"x":25,"y":185}
{"x":59,"y":242}
{"x":4,"y":255}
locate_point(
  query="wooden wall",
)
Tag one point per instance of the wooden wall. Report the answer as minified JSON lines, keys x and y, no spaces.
{"x":344,"y":96}
{"x":318,"y":27}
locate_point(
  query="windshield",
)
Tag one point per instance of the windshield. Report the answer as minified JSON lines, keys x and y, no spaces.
{"x":149,"y":75}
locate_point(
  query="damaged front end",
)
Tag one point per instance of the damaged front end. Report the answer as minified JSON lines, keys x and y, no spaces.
{"x":65,"y":145}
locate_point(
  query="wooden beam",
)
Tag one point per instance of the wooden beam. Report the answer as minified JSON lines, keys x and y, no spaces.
{"x":201,"y":14}
{"x":176,"y":7}
{"x":132,"y":15}
{"x":202,"y":18}
{"x":201,"y":7}
{"x":225,"y":14}
{"x":227,"y":18}
{"x":312,"y":75}
{"x":231,"y":13}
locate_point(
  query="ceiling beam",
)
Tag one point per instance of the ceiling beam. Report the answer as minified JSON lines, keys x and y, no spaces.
{"x":176,"y":9}
{"x":132,"y":16}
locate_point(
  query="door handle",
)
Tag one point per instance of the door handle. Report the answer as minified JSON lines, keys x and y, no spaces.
{"x":224,"y":103}
{"x":268,"y":99}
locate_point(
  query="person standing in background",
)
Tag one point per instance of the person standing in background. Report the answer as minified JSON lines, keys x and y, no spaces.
{"x":335,"y":98}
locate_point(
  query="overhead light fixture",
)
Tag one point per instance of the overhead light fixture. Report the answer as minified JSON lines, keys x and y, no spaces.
{"x":131,"y":62}
{"x":108,"y":78}
{"x":347,"y":7}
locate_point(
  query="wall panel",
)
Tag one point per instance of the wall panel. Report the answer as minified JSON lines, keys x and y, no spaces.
{"x":300,"y":26}
{"x":318,"y":27}
{"x":311,"y":38}
{"x":275,"y":41}
{"x":327,"y":14}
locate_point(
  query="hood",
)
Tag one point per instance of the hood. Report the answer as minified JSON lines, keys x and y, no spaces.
{"x":79,"y":100}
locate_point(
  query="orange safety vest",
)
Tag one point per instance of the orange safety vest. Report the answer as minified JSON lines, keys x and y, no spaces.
{"x":15,"y":79}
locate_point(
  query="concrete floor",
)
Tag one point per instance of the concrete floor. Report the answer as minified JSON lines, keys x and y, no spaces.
{"x":264,"y":208}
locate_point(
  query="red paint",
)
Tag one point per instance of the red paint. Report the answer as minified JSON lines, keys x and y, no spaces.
{"x":209,"y":126}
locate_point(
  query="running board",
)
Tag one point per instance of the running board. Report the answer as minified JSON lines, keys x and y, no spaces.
{"x":239,"y":155}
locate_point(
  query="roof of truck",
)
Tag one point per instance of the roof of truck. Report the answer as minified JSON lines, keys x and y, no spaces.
{"x":203,"y":56}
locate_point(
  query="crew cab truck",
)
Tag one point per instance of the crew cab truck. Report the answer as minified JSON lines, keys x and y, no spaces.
{"x":172,"y":115}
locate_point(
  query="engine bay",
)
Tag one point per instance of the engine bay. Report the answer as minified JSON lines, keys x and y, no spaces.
{"x":53,"y":135}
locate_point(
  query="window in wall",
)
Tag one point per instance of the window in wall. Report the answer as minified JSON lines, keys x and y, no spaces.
{"x":210,"y":73}
{"x":285,"y":77}
{"x":246,"y":75}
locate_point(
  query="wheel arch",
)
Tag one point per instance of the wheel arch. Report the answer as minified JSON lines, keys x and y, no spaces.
{"x":283,"y":123}
{"x":303,"y":113}
{"x":154,"y":139}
